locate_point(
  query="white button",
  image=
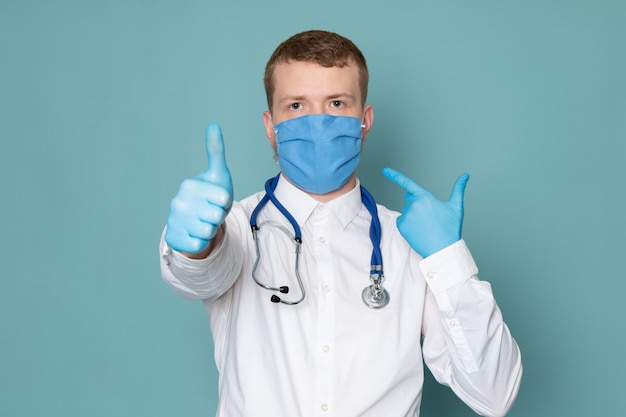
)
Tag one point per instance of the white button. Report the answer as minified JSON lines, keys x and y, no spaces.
{"x":430,"y":275}
{"x":322,"y":240}
{"x":452,"y":323}
{"x":324,"y":407}
{"x":321,"y":208}
{"x":326,"y":289}
{"x":326,"y":348}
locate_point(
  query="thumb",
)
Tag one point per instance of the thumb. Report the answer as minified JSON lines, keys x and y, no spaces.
{"x":458,"y":190}
{"x":217,"y":171}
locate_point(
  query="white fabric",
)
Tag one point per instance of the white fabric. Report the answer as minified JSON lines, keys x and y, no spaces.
{"x":331,"y":355}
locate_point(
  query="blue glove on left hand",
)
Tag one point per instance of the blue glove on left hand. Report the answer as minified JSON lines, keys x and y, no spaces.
{"x":427,"y":223}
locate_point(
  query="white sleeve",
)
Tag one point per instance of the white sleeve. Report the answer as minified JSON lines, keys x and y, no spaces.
{"x":202,"y":279}
{"x":467,"y":345}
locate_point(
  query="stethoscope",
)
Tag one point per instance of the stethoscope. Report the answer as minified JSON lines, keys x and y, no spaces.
{"x":374,"y":295}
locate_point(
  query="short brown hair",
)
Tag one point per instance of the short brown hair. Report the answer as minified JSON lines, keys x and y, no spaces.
{"x":327,"y":49}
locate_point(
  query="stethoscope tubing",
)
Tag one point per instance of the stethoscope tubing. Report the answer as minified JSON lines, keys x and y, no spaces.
{"x":374,"y":296}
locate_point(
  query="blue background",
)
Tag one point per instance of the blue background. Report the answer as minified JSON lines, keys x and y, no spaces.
{"x":103,"y":106}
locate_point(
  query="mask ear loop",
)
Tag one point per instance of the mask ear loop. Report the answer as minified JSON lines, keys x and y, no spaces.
{"x":273,"y":126}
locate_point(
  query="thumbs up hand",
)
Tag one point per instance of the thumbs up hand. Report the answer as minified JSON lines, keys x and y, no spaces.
{"x":203,"y":202}
{"x":427,"y":223}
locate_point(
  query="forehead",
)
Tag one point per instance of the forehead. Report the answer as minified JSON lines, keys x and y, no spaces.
{"x":299,"y":78}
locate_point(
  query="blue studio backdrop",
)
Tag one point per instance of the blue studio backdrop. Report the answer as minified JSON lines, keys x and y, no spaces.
{"x":103,"y":107}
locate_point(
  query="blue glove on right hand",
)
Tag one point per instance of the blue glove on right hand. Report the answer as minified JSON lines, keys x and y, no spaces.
{"x":202,"y":203}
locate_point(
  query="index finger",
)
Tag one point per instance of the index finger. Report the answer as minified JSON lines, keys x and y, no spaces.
{"x":403,"y":181}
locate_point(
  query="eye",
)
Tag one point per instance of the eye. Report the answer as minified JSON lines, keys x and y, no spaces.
{"x":295,"y":106}
{"x":337,"y":104}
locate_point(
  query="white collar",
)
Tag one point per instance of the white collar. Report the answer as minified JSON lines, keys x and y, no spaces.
{"x":301,"y":205}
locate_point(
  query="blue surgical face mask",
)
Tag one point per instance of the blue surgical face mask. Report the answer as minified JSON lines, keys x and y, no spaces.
{"x":318,"y":153}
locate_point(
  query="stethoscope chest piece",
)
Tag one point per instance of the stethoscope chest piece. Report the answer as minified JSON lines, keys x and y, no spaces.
{"x":375,"y":296}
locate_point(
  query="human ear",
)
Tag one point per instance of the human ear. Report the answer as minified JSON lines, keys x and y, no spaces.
{"x":269,"y":128}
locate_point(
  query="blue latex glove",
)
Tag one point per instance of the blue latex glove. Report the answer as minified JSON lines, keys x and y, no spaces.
{"x":202,"y":203}
{"x":427,"y":223}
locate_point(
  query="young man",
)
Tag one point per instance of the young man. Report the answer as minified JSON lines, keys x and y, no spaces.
{"x":327,"y":346}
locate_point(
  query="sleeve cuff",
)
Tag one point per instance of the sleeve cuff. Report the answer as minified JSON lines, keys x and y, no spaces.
{"x":175,"y":259}
{"x":449,"y":267}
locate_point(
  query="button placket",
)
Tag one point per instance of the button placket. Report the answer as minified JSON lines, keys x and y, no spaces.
{"x":322,"y":221}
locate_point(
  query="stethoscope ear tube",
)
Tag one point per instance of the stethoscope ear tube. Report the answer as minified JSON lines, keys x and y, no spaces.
{"x":284,"y":289}
{"x":270,"y":185}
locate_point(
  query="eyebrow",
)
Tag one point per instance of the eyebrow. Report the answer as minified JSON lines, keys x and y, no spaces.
{"x":341,"y":95}
{"x":291,"y":98}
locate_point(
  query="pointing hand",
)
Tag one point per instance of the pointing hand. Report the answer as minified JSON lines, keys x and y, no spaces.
{"x":427,"y":223}
{"x":203,"y":202}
